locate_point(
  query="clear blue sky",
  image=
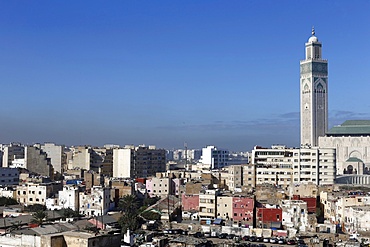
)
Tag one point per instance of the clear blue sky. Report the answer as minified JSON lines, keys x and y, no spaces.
{"x":222,"y":73}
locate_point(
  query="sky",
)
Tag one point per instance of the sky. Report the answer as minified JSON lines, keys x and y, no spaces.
{"x":165,"y":73}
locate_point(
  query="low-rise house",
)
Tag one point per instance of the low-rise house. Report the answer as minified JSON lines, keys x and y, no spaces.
{"x":190,"y":202}
{"x":294,"y":214}
{"x":34,"y":193}
{"x":95,"y":202}
{"x":269,"y":216}
{"x":357,"y":218}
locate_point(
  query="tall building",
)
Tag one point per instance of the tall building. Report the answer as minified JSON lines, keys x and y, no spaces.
{"x":214,"y":157}
{"x":141,"y":161}
{"x":56,"y":155}
{"x":313,"y":93}
{"x":286,"y":166}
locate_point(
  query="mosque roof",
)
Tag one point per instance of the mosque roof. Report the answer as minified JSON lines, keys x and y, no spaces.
{"x":351,"y":127}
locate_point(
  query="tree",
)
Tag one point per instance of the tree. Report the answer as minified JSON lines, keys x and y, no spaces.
{"x":129,"y":204}
{"x":7,"y":201}
{"x":130,"y":220}
{"x":35,"y":208}
{"x":39,"y":217}
{"x":70,"y":213}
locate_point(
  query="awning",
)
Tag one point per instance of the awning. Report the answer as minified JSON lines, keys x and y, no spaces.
{"x":217,"y":221}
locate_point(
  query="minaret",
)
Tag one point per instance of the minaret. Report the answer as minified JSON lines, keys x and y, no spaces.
{"x":314,"y":93}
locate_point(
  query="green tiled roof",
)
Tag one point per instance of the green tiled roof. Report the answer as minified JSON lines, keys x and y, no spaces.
{"x":354,"y":159}
{"x":351,"y":127}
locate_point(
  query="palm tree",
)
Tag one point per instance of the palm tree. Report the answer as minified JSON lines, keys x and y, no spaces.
{"x":129,"y":204}
{"x":39,"y":217}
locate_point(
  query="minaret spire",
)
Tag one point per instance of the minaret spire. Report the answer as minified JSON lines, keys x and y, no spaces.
{"x":313,"y":31}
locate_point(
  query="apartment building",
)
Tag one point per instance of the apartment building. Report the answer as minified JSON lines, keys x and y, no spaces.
{"x":356,"y":218}
{"x":159,"y":186}
{"x":123,"y":162}
{"x":225,"y":207}
{"x":235,"y":177}
{"x":289,"y":166}
{"x":214,"y":158}
{"x":37,"y":161}
{"x":208,"y":204}
{"x":56,"y":155}
{"x":9,"y":176}
{"x":142,"y":161}
{"x":34,"y":193}
{"x":12,"y":152}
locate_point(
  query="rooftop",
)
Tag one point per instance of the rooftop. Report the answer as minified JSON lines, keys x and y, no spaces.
{"x":351,"y":127}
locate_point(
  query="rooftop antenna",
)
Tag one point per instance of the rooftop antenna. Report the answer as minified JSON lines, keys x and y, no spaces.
{"x":186,"y":156}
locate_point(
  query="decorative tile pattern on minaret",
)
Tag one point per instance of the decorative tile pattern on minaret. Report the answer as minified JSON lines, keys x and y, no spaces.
{"x":314,"y":93}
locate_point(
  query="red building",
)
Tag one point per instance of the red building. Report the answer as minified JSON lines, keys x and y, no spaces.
{"x":243,"y":210}
{"x":269,"y":217}
{"x":311,"y":202}
{"x":190,"y":202}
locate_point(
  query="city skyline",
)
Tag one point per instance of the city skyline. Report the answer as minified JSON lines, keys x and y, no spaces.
{"x":165,"y":73}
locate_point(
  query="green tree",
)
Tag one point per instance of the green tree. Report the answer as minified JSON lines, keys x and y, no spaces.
{"x":151,"y":215}
{"x":7,"y":201}
{"x":130,"y":220}
{"x":129,"y":204}
{"x":70,"y":213}
{"x":39,"y":217}
{"x":35,"y":208}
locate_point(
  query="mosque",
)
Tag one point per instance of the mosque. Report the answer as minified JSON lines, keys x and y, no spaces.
{"x":350,"y":139}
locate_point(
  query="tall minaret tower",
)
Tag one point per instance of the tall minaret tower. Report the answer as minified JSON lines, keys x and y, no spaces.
{"x":314,"y":93}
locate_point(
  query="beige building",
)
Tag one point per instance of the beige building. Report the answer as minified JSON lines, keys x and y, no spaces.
{"x":235,"y":177}
{"x":33,"y":193}
{"x":208,"y":204}
{"x":138,"y":162}
{"x":225,"y":207}
{"x":56,"y":155}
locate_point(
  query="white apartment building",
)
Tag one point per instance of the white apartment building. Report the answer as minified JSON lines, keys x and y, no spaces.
{"x":208,"y":204}
{"x":214,"y":157}
{"x":294,"y":214}
{"x":285,"y":166}
{"x":123,"y":160}
{"x":95,"y":203}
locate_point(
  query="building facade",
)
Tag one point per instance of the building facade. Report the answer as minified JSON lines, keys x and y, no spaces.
{"x":286,"y":166}
{"x":214,"y":157}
